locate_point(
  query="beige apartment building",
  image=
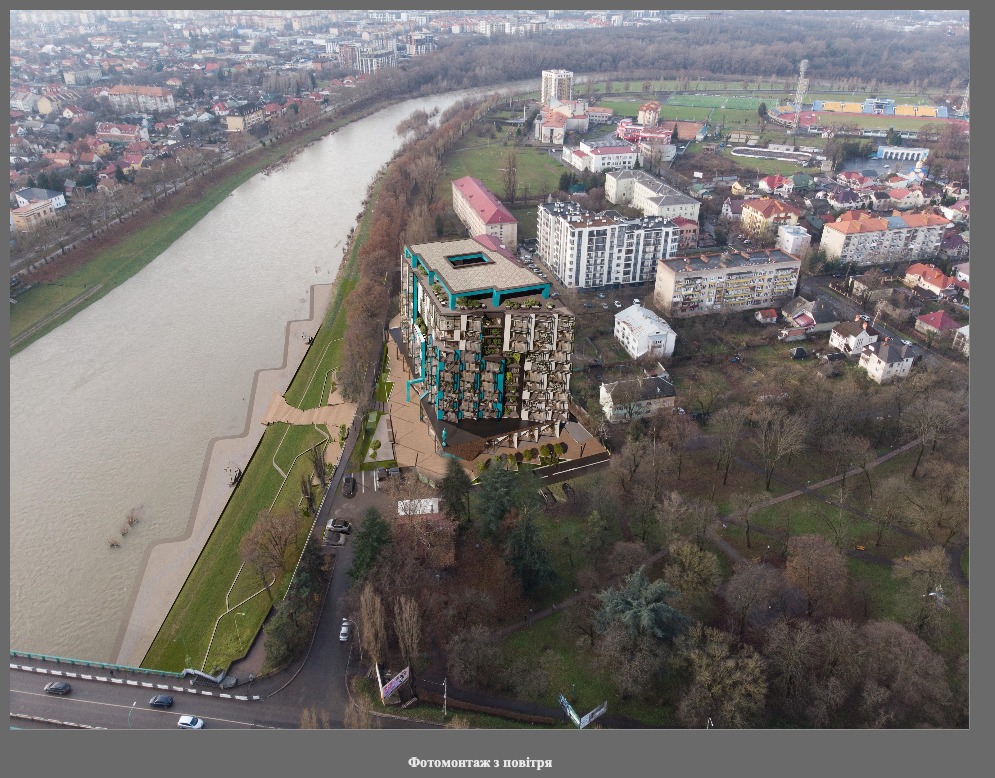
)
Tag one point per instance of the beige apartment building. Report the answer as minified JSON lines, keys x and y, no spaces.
{"x":556,"y":84}
{"x":864,"y":238}
{"x":710,"y":283}
{"x":27,"y":217}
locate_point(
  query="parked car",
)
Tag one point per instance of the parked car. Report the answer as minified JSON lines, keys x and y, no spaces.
{"x":381,"y":473}
{"x":799,"y":353}
{"x":602,"y":295}
{"x":906,"y":342}
{"x":547,"y":497}
{"x":618,"y":304}
{"x":344,"y":631}
{"x":394,"y":472}
{"x":635,"y":301}
{"x":605,"y":306}
{"x":349,"y":486}
{"x":333,"y":525}
{"x":190,"y":722}
{"x":588,"y":305}
{"x":161,"y":701}
{"x":58,"y":687}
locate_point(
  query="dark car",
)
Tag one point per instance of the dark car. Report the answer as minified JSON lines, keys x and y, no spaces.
{"x":161,"y":701}
{"x":381,"y":473}
{"x":58,"y":687}
{"x":349,"y":486}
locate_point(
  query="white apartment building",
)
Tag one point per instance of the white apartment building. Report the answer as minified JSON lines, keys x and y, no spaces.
{"x":636,"y":398}
{"x":792,"y":239}
{"x":141,"y":98}
{"x":641,"y":331}
{"x":710,"y":283}
{"x":586,"y":250}
{"x":602,"y":156}
{"x":556,"y":84}
{"x":649,"y":194}
{"x":864,"y":238}
{"x":482,"y":213}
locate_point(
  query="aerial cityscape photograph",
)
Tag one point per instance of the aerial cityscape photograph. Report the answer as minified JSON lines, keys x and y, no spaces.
{"x":489,"y":370}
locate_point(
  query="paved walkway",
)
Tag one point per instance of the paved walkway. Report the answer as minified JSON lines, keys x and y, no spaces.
{"x":167,"y":565}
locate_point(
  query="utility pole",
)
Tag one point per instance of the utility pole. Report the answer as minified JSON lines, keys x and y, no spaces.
{"x":444,"y":690}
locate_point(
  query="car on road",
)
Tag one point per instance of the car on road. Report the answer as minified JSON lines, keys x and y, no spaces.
{"x":161,"y":701}
{"x":58,"y":687}
{"x":906,"y":342}
{"x":344,"y":527}
{"x":635,"y":301}
{"x":349,"y":486}
{"x":602,"y":295}
{"x":618,"y":304}
{"x":190,"y":722}
{"x":344,"y":631}
{"x":865,"y":317}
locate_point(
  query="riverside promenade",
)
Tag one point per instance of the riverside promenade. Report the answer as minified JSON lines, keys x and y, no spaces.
{"x":166,"y":565}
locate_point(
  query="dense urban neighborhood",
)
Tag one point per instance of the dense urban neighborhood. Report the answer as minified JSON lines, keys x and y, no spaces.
{"x":639,"y":399}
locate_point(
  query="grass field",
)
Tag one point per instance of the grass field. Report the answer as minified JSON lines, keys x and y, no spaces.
{"x":537,"y":171}
{"x":186,"y":632}
{"x":716,"y":101}
{"x":867,"y":121}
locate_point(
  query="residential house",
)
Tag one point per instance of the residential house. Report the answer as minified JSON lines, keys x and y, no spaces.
{"x":725,"y":281}
{"x":959,"y":211}
{"x":641,"y":332}
{"x":776,"y":184}
{"x":937,"y":323}
{"x":243,"y":118}
{"x":601,"y":156}
{"x":35,"y":195}
{"x":120,"y":133}
{"x":962,"y":342}
{"x":886,"y":360}
{"x":766,"y":316}
{"x":636,"y":398}
{"x":793,"y":239}
{"x":811,"y":315}
{"x":962,"y":272}
{"x":953,"y":246}
{"x":851,"y":337}
{"x":904,"y":199}
{"x":732,"y":209}
{"x":841,"y":198}
{"x":482,"y":213}
{"x":928,"y":277}
{"x":27,"y":217}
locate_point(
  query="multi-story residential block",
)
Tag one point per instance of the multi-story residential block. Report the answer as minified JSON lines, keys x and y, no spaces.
{"x":709,"y":283}
{"x":688,"y":231}
{"x":81,"y":76}
{"x":120,"y":133}
{"x":556,"y":84}
{"x":491,"y":350}
{"x":602,"y":156}
{"x":765,"y":213}
{"x":585,"y":249}
{"x":482,"y":213}
{"x":243,"y":118}
{"x":141,"y":98}
{"x":863,"y":238}
{"x":886,"y":360}
{"x":649,"y":194}
{"x":641,"y":331}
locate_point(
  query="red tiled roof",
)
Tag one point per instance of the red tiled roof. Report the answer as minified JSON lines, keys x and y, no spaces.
{"x":481,"y":200}
{"x":940,"y":320}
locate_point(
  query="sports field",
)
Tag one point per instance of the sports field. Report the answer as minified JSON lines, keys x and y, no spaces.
{"x":715,"y":101}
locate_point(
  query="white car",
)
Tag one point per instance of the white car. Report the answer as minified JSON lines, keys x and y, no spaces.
{"x":635,"y":301}
{"x":190,"y":722}
{"x":618,"y":304}
{"x":344,"y":631}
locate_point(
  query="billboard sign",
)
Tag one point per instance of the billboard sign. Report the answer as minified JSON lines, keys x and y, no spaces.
{"x":394,"y":682}
{"x":587,"y":719}
{"x":698,"y":174}
{"x":568,"y":708}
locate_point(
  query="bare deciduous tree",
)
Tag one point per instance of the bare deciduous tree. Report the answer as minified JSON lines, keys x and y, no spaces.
{"x":372,"y":624}
{"x":264,"y":547}
{"x":777,"y":435}
{"x":407,"y":627}
{"x":818,"y":569}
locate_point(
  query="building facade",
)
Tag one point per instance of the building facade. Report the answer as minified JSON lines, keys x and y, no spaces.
{"x":491,"y":350}
{"x":649,"y":194}
{"x":886,"y":360}
{"x":636,"y":398}
{"x":586,"y":250}
{"x":602,"y":156}
{"x":556,"y":84}
{"x":482,"y":213}
{"x":863,"y":238}
{"x":793,"y":239}
{"x":765,"y":213}
{"x":641,"y":331}
{"x":710,"y":283}
{"x":28,"y":217}
{"x":141,"y":98}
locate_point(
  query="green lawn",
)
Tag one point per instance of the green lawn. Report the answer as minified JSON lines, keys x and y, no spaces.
{"x":766,"y":166}
{"x":188,"y":626}
{"x":537,"y":170}
{"x":965,"y":562}
{"x":716,"y":101}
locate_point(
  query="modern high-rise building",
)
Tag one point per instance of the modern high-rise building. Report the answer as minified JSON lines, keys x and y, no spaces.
{"x":725,"y":281}
{"x":489,"y":348}
{"x":558,"y":84}
{"x":585,"y":249}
